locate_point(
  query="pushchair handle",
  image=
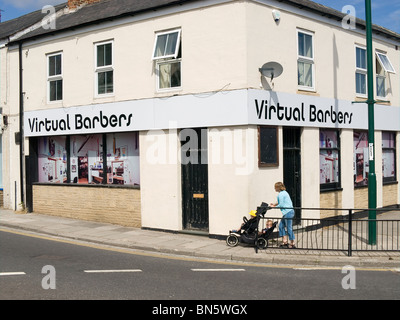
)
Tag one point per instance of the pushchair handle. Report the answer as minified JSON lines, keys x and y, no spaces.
{"x":262,"y":209}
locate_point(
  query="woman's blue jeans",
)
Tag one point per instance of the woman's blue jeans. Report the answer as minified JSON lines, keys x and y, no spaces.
{"x":287,"y":224}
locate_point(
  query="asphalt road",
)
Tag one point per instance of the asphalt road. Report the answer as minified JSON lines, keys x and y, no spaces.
{"x":34,"y":267}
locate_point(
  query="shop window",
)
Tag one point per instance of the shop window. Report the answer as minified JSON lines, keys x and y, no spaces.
{"x":361,"y":71}
{"x":167,"y":55}
{"x":123,"y":159}
{"x":85,"y":155}
{"x":360,"y":161}
{"x":268,"y":153}
{"x":86,"y":152}
{"x":329,"y":159}
{"x":52,"y":159}
{"x":305,"y":60}
{"x":388,"y":156}
{"x":104,"y":68}
{"x":54,"y":77}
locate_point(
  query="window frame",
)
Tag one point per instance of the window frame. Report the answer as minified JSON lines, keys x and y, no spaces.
{"x":176,"y":57}
{"x":306,"y":60}
{"x":380,"y":79}
{"x":363,"y":156}
{"x":382,"y":63}
{"x":332,"y":185}
{"x":262,"y":163}
{"x":388,"y":180}
{"x":361,"y":71}
{"x":103,"y":69}
{"x":125,"y":148}
{"x":177,"y":44}
{"x":55,"y":77}
{"x":162,"y":62}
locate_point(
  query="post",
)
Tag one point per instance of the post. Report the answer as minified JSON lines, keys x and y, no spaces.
{"x":371,"y":130}
{"x":349,"y":242}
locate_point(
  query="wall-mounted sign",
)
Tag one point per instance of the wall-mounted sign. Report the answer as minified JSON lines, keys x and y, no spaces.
{"x":227,"y":108}
{"x":113,"y":117}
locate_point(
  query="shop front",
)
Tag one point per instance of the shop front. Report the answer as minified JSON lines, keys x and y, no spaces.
{"x":201,"y":163}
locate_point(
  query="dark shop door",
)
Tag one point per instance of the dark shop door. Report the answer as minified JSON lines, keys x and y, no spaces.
{"x":292,"y":165}
{"x":194,"y":179}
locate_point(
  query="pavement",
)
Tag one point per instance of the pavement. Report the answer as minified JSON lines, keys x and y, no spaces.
{"x":188,"y":245}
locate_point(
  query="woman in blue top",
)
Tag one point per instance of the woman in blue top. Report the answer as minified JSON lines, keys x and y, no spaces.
{"x":286,"y":205}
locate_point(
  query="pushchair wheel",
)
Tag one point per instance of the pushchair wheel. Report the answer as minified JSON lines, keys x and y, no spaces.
{"x":262,"y":243}
{"x":232,"y":240}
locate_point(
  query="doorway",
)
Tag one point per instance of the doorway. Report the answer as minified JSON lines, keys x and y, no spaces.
{"x":194,"y":155}
{"x":292,"y":166}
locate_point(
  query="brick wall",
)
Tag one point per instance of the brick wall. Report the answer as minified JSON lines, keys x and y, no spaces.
{"x":331,"y":199}
{"x":361,"y":198}
{"x":390,"y":194}
{"x":72,"y":4}
{"x":101,"y":204}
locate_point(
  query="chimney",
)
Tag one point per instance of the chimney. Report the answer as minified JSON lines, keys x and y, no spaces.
{"x":73,"y":4}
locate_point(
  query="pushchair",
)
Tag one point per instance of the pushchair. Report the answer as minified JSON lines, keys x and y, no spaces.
{"x":248,"y":233}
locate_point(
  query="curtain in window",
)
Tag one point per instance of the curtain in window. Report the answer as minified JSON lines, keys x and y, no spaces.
{"x":170,"y":75}
{"x":165,"y":75}
{"x":305,"y":74}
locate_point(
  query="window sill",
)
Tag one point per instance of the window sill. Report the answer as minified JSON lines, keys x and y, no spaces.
{"x":332,"y":189}
{"x":311,"y":92}
{"x":104,"y":97}
{"x":55,"y":102}
{"x":131,"y":186}
{"x":361,"y":98}
{"x":385,"y":183}
{"x":381,"y":100}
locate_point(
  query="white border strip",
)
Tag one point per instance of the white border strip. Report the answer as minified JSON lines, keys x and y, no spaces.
{"x":217,"y":270}
{"x":112,"y":271}
{"x":12,"y":273}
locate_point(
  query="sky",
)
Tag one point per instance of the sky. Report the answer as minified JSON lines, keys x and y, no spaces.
{"x":385,"y":13}
{"x":15,"y":8}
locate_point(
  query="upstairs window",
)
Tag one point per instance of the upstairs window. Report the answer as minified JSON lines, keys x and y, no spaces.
{"x":383,"y":66}
{"x":167,"y":56}
{"x":361,"y":71}
{"x":305,"y":60}
{"x":167,"y":45}
{"x":54,"y":77}
{"x":385,"y":62}
{"x":104,"y":68}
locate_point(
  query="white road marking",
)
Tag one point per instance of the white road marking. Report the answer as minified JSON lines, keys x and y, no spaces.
{"x":112,"y":271}
{"x":317,"y":268}
{"x":216,"y":270}
{"x":12,"y":273}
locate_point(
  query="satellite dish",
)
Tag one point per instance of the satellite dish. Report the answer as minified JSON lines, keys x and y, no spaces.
{"x":271,"y":70}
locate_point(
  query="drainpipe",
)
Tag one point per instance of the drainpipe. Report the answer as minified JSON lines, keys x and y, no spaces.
{"x":21,"y":125}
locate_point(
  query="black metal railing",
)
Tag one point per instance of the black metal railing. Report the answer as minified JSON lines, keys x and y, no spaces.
{"x":347,"y":231}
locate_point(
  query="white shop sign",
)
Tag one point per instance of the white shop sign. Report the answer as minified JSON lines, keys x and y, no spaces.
{"x":284,"y":109}
{"x":227,"y":108}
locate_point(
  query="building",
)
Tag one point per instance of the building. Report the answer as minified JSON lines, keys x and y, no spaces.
{"x":9,"y":31}
{"x":165,"y":115}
